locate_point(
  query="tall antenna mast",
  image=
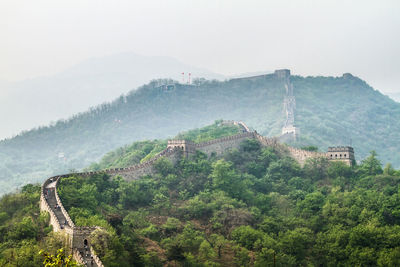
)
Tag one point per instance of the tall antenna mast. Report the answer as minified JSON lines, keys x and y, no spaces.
{"x":189,"y":78}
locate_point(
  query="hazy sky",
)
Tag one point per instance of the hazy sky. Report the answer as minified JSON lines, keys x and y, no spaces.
{"x":43,"y":37}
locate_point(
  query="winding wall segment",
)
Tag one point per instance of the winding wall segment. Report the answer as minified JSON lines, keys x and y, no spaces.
{"x":61,"y":221}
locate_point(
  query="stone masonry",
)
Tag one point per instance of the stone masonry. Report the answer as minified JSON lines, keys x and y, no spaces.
{"x":78,"y":238}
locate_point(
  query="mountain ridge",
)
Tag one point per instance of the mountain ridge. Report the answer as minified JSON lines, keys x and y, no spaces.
{"x":86,"y":84}
{"x":328,"y":112}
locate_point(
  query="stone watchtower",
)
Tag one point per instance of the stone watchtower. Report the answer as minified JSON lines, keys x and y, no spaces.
{"x":341,"y":153}
{"x":187,"y":147}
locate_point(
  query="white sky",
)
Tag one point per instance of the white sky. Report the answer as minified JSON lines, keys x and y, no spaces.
{"x":43,"y":37}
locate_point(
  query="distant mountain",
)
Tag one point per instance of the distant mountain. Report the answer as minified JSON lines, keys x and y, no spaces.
{"x":41,"y":100}
{"x":329,"y":111}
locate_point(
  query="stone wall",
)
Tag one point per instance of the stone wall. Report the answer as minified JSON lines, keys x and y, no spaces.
{"x":95,"y":258}
{"x":146,"y":168}
{"x":221,"y":145}
{"x":65,"y":213}
{"x":238,"y":123}
{"x":301,"y":155}
{"x":78,"y":257}
{"x":268,"y":142}
{"x":44,"y":206}
{"x":78,"y":235}
{"x":136,"y":171}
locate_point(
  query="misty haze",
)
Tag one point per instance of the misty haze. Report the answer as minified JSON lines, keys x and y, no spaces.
{"x":208,"y":133}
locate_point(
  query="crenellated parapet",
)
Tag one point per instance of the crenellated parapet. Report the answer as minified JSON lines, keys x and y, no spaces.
{"x":221,"y":145}
{"x":59,"y":203}
{"x":341,"y":153}
{"x":79,"y":238}
{"x":95,"y":258}
{"x":44,"y":206}
{"x":301,"y":155}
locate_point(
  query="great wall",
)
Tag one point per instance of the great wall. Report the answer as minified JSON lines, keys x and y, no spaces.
{"x":78,"y":238}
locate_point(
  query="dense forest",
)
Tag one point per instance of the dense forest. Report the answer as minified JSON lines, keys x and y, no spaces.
{"x":330,"y":111}
{"x":249,"y":207}
{"x":25,"y":231}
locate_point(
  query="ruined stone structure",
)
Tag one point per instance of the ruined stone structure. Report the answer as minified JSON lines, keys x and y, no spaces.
{"x":78,"y":238}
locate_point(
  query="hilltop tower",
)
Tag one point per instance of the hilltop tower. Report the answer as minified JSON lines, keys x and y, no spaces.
{"x":289,"y":104}
{"x":341,"y":153}
{"x":187,"y":147}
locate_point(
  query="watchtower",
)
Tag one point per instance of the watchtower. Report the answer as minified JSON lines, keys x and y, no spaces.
{"x":341,"y":153}
{"x":187,"y":147}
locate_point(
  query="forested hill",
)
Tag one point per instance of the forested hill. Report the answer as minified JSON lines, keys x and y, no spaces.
{"x":251,"y":206}
{"x":330,"y":111}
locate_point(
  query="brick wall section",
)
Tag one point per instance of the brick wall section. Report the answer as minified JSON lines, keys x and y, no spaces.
{"x":66,"y":215}
{"x":221,"y":145}
{"x":146,"y":168}
{"x":301,"y":155}
{"x":95,"y":258}
{"x":78,"y":257}
{"x":80,"y":234}
{"x":77,"y":235}
{"x":44,"y":206}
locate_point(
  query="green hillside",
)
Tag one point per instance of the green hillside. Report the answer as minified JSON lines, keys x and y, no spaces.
{"x":142,"y":151}
{"x":25,"y":231}
{"x":330,"y":111}
{"x":242,"y":209}
{"x":345,"y":110}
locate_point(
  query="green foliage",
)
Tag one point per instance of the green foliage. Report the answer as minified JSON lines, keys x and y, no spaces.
{"x":329,"y":111}
{"x":371,"y":165}
{"x":217,"y":130}
{"x":24,"y":231}
{"x":246,"y":236}
{"x":250,"y":207}
{"x":310,"y":148}
{"x":58,"y":260}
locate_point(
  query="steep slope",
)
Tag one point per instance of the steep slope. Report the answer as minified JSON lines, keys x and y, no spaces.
{"x":330,"y":111}
{"x":347,"y":111}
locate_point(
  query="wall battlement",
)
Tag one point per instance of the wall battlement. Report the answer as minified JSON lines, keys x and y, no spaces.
{"x":78,"y":237}
{"x":341,"y":153}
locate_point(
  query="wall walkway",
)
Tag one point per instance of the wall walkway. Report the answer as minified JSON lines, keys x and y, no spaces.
{"x":78,"y":238}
